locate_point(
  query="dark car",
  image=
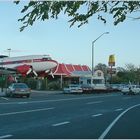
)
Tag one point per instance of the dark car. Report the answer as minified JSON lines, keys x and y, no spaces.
{"x":18,"y":89}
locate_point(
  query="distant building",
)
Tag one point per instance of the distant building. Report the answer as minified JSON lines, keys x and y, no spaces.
{"x":69,"y":73}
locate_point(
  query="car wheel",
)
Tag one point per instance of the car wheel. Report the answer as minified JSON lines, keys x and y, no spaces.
{"x":12,"y":95}
{"x":28,"y":95}
{"x":7,"y":95}
{"x":124,"y":93}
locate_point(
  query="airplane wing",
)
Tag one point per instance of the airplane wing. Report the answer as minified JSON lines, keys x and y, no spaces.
{"x":22,"y":69}
{"x":4,"y":70}
{"x":25,"y":70}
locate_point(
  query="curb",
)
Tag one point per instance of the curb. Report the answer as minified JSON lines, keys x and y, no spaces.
{"x":2,"y":94}
{"x":47,"y":92}
{"x":37,"y":91}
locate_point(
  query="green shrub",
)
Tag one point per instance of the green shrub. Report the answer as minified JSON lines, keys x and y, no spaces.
{"x":53,"y":86}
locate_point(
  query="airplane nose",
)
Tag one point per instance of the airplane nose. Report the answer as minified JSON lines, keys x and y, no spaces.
{"x":53,"y":63}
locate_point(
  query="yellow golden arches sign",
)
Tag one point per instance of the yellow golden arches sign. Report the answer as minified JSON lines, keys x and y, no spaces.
{"x":111,"y":61}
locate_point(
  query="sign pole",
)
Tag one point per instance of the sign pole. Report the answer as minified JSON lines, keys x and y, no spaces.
{"x":111,"y":63}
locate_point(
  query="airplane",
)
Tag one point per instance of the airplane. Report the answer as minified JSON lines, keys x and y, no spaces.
{"x":26,"y":65}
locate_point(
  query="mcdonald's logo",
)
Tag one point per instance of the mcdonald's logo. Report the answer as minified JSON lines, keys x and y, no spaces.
{"x":111,"y":61}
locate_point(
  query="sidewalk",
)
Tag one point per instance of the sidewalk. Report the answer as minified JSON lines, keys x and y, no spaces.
{"x":2,"y":93}
{"x":35,"y":91}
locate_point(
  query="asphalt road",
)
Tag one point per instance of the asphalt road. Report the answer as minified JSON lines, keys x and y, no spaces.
{"x":68,"y":116}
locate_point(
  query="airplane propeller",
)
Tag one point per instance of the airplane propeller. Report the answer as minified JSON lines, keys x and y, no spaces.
{"x":35,"y":73}
{"x":31,"y":70}
{"x":50,"y":72}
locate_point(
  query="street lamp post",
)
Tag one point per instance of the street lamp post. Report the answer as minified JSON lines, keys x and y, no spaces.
{"x":2,"y":77}
{"x":93,"y":50}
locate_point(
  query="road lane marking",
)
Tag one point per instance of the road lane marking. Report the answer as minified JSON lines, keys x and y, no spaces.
{"x":114,"y":121}
{"x":119,"y":109}
{"x":5,"y":136}
{"x":80,"y":98}
{"x":96,"y":102}
{"x":4,"y":98}
{"x":27,"y":111}
{"x":125,"y":98}
{"x":62,"y":123}
{"x":22,"y":102}
{"x":96,"y":115}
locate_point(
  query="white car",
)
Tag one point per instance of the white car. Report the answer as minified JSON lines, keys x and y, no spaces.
{"x":131,"y":89}
{"x":136,"y":89}
{"x":73,"y":88}
{"x":125,"y":89}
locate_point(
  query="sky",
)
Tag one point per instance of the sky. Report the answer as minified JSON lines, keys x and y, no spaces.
{"x":69,"y":45}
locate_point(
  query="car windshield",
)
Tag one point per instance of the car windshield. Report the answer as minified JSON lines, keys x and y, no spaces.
{"x":20,"y":86}
{"x":126,"y":86}
{"x":74,"y":85}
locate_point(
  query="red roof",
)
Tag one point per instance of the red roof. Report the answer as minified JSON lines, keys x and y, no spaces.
{"x":86,"y":68}
{"x":67,"y":69}
{"x":70,"y":67}
{"x":61,"y":70}
{"x":77,"y":67}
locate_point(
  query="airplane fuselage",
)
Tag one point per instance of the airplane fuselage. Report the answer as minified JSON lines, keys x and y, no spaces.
{"x":37,"y":62}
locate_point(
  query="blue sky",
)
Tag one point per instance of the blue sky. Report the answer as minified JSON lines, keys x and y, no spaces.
{"x":69,"y":45}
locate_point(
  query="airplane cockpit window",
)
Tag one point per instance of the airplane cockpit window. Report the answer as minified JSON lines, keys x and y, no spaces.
{"x":47,"y":58}
{"x":3,"y":56}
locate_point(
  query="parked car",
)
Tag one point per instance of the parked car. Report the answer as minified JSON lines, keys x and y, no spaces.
{"x":18,"y":89}
{"x":135,"y":89}
{"x":114,"y":87}
{"x":125,"y":89}
{"x":73,"y":88}
{"x":131,"y":89}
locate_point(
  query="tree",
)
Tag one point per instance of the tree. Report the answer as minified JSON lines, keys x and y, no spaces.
{"x":44,"y":10}
{"x":120,"y":69}
{"x":102,"y":67}
{"x":130,"y":67}
{"x":130,"y":73}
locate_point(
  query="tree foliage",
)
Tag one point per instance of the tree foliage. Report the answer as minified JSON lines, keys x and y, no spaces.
{"x":124,"y":75}
{"x":102,"y":67}
{"x":44,"y":10}
{"x":130,"y":73}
